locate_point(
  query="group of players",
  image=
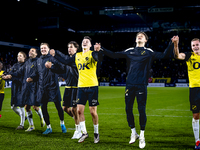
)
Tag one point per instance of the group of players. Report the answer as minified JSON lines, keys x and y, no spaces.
{"x":35,"y":83}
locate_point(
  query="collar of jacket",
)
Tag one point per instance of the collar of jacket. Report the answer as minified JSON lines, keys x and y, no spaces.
{"x":45,"y":56}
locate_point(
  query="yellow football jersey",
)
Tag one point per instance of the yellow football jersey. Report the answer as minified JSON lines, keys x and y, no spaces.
{"x":193,"y":65}
{"x":87,"y":67}
{"x":2,"y":83}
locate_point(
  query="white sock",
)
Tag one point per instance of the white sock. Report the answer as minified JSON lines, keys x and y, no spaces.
{"x":49,"y":126}
{"x":30,"y":118}
{"x":133,"y":130}
{"x":195,"y":125}
{"x":141,"y":133}
{"x":83,"y":127}
{"x":39,"y":112}
{"x":62,"y":122}
{"x":78,"y":127}
{"x":16,"y":110}
{"x":96,"y":128}
{"x":22,"y":116}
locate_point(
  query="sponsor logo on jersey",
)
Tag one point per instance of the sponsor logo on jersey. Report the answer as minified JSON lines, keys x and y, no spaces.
{"x":83,"y":66}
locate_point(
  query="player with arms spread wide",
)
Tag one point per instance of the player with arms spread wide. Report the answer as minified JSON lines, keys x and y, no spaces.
{"x":193,"y":64}
{"x":86,"y":62}
{"x":139,"y":63}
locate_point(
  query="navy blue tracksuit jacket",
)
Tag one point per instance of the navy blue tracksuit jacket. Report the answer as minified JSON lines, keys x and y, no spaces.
{"x":16,"y":87}
{"x":48,"y":87}
{"x":29,"y":90}
{"x":139,"y":61}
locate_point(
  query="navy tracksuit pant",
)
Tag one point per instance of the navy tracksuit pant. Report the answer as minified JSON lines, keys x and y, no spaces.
{"x":140,"y":93}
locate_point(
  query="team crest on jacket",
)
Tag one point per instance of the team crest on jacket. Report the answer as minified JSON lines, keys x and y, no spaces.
{"x":143,"y":52}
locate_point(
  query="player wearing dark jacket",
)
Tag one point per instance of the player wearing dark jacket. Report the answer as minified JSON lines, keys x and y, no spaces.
{"x":29,"y":90}
{"x":17,"y":103}
{"x":70,"y":74}
{"x":139,"y":61}
{"x":48,"y":88}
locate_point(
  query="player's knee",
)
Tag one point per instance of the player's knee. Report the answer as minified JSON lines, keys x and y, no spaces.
{"x":196,"y":116}
{"x":129,"y":110}
{"x":93,"y":112}
{"x":74,"y":110}
{"x":80,"y":112}
{"x":142,"y":110}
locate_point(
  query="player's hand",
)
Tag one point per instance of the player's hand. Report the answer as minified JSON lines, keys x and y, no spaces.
{"x":5,"y":77}
{"x":48,"y":64}
{"x":97,"y":47}
{"x":8,"y":76}
{"x":29,"y":80}
{"x":52,"y":52}
{"x":175,"y":39}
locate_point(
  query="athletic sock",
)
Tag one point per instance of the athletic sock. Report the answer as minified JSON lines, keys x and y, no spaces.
{"x":49,"y":126}
{"x":141,"y":133}
{"x":83,"y":127}
{"x":78,"y":128}
{"x":62,"y":122}
{"x":96,"y":129}
{"x":39,"y":112}
{"x":133,"y":130}
{"x":195,"y":125}
{"x":22,"y":116}
{"x":30,"y":118}
{"x":16,"y":110}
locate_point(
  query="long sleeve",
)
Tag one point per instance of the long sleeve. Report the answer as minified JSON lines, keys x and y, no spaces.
{"x":64,"y":59}
{"x":166,"y":53}
{"x":114,"y":54}
{"x":34,"y":75}
{"x":19,"y":72}
{"x":57,"y":67}
{"x":98,"y":56}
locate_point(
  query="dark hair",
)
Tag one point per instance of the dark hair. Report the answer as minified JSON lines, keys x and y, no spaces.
{"x":24,"y":54}
{"x":146,"y":37}
{"x":87,"y":37}
{"x":37,"y":51}
{"x":75,"y":44}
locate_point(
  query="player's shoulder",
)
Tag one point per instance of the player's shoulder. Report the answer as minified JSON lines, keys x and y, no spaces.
{"x":129,"y":49}
{"x":148,"y":49}
{"x":188,"y":55}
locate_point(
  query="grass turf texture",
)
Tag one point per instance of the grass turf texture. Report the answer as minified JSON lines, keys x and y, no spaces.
{"x":169,"y":123}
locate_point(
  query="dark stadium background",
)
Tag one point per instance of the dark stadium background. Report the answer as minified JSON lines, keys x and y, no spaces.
{"x":26,"y":23}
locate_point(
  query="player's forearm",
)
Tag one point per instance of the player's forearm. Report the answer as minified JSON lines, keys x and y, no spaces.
{"x":176,"y":50}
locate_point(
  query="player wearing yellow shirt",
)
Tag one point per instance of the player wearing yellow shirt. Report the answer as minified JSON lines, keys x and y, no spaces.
{"x":2,"y":85}
{"x":193,"y":64}
{"x":86,"y":62}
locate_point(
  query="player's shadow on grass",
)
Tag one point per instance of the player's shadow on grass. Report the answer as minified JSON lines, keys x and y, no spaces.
{"x":8,"y":128}
{"x":55,"y":134}
{"x":170,"y":144}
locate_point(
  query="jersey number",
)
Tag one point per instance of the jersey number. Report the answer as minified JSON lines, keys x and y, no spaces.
{"x":196,"y":65}
{"x":83,"y":66}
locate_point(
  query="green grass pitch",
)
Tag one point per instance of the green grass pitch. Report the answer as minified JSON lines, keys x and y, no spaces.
{"x":169,"y":123}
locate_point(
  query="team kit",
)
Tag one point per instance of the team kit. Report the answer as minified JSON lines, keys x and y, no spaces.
{"x":35,"y":83}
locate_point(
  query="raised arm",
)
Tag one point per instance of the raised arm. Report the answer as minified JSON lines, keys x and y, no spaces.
{"x":97,"y":47}
{"x":64,"y":59}
{"x":166,"y":53}
{"x":177,"y":55}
